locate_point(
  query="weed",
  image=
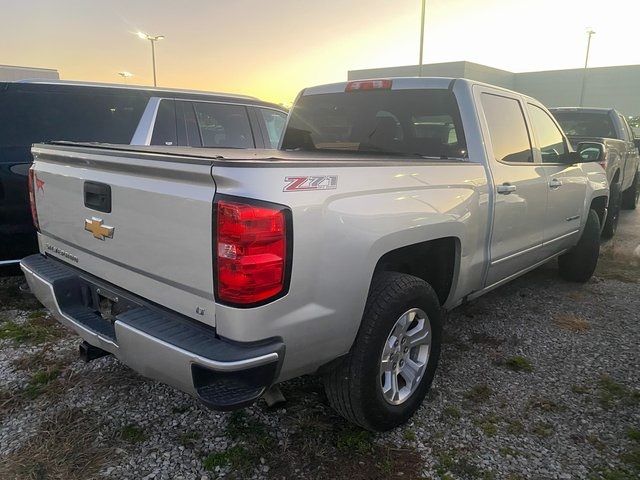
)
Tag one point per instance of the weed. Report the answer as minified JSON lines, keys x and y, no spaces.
{"x":518,"y":364}
{"x":238,"y":458}
{"x":353,"y":439}
{"x":479,"y":393}
{"x":132,"y":434}
{"x":580,"y":389}
{"x":189,"y":439}
{"x":633,"y":434}
{"x":36,"y":330}
{"x":543,"y":429}
{"x":515,"y":427}
{"x":409,"y":435}
{"x":242,"y":427}
{"x":40,"y":381}
{"x":451,"y":412}
{"x":611,"y":392}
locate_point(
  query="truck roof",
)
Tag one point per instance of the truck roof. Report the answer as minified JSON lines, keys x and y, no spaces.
{"x":406,"y":83}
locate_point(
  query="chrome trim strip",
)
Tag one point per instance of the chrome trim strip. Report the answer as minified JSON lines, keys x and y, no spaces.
{"x":517,"y":254}
{"x":570,"y":219}
{"x":8,"y":262}
{"x":561,"y":236}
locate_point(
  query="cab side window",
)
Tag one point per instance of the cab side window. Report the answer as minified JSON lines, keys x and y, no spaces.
{"x":224,"y":125}
{"x":507,"y":129}
{"x":274,"y":122}
{"x":164,"y":130}
{"x":552,"y":145}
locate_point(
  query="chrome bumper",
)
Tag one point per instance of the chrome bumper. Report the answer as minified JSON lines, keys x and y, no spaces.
{"x":158,"y":344}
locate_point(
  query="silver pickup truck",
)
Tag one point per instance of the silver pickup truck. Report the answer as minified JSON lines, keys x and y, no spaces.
{"x":607,"y":129}
{"x":223,"y":272}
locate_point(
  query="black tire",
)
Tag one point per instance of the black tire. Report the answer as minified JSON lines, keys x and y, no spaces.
{"x":613,"y":213}
{"x":353,"y":385}
{"x":632,"y":194}
{"x":579,"y":263}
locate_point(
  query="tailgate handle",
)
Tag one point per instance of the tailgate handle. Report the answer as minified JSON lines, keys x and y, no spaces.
{"x":97,"y":196}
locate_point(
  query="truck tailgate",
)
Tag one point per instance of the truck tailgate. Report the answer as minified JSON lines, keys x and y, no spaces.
{"x":142,"y":222}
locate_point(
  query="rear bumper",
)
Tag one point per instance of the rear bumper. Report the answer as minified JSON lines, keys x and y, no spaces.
{"x":157,"y":343}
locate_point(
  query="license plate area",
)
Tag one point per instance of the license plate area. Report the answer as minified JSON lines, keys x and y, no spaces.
{"x":106,"y":303}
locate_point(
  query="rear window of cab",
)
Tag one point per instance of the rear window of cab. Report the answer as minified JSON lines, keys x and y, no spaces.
{"x":420,"y":122}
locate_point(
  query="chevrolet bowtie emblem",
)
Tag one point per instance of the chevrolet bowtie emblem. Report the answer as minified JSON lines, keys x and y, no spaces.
{"x":98,"y":230}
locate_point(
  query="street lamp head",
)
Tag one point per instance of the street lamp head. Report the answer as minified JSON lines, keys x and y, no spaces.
{"x":590,"y":31}
{"x":143,"y":36}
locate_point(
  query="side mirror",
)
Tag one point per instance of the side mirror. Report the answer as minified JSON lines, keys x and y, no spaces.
{"x":591,"y":152}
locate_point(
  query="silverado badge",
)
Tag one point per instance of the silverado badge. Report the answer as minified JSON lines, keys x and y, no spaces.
{"x":98,"y":230}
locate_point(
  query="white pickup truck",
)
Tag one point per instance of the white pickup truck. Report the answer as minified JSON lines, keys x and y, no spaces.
{"x":223,"y":272}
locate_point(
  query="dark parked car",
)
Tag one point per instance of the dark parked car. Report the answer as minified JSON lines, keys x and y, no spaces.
{"x":32,"y":112}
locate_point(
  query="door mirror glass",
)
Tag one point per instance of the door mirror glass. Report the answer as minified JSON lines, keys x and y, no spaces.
{"x":591,"y":152}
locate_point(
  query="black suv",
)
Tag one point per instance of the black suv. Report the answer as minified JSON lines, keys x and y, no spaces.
{"x":33,"y":112}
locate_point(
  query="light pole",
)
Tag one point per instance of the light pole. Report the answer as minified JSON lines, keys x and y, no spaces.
{"x":153,"y":39}
{"x":590,"y":33}
{"x":422,"y":35}
{"x":125,"y":75}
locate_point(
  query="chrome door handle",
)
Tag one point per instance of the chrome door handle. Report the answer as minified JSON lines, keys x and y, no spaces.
{"x":506,"y":189}
{"x":555,"y":183}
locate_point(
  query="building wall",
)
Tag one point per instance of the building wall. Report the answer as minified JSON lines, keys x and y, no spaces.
{"x":617,"y":87}
{"x":11,"y":73}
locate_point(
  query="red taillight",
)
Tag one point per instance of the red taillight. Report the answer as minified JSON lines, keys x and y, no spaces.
{"x":251,"y":252}
{"x":33,"y":180}
{"x":360,"y":85}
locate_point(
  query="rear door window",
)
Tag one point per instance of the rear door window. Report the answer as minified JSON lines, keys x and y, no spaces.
{"x":507,"y":129}
{"x":274,"y":122}
{"x":223,"y":125}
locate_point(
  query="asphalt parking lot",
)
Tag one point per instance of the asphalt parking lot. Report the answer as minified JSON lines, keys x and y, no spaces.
{"x":538,"y":379}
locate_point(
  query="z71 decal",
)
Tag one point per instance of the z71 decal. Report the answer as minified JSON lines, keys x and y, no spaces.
{"x":305,"y":184}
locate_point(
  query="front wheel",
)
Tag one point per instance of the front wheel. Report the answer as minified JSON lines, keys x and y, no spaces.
{"x":387,"y":373}
{"x":579,"y":263}
{"x":632,"y":194}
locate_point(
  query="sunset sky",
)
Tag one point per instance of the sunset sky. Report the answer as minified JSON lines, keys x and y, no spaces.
{"x":274,"y":48}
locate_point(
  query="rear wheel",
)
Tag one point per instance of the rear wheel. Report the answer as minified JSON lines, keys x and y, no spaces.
{"x":579,"y":263}
{"x":613,"y":215}
{"x":387,"y":373}
{"x":632,"y":194}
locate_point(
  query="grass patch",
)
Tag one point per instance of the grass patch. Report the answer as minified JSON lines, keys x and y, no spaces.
{"x":64,"y":447}
{"x":571,"y":323}
{"x":189,"y":439}
{"x":543,"y":430}
{"x":515,"y":427}
{"x":409,"y":435}
{"x":579,"y":389}
{"x":40,"y":381}
{"x":132,"y":434}
{"x":633,"y":434}
{"x":518,"y":364}
{"x":454,"y":464}
{"x":479,"y":393}
{"x":611,"y":392}
{"x":238,"y":458}
{"x":241,"y":427}
{"x":34,"y":330}
{"x":451,"y":412}
{"x":353,"y":439}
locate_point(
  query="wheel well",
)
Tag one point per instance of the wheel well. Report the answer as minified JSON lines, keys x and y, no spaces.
{"x":599,"y":204}
{"x":433,"y":261}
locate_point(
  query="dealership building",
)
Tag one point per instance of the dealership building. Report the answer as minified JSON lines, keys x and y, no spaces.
{"x":14,"y":73}
{"x":617,"y":87}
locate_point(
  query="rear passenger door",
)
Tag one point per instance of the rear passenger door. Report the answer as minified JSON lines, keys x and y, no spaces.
{"x":520,"y":197}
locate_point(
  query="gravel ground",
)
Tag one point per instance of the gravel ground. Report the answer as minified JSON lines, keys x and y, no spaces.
{"x":538,"y":379}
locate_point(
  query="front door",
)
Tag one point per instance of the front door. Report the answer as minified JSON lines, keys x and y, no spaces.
{"x":567,"y":184}
{"x":520,"y":187}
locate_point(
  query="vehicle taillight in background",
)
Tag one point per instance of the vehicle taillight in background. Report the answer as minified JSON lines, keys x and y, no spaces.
{"x":32,"y":180}
{"x":251,"y":250}
{"x":360,"y":85}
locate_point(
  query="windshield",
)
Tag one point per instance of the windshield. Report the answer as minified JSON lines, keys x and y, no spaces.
{"x":586,"y":124}
{"x":398,"y":122}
